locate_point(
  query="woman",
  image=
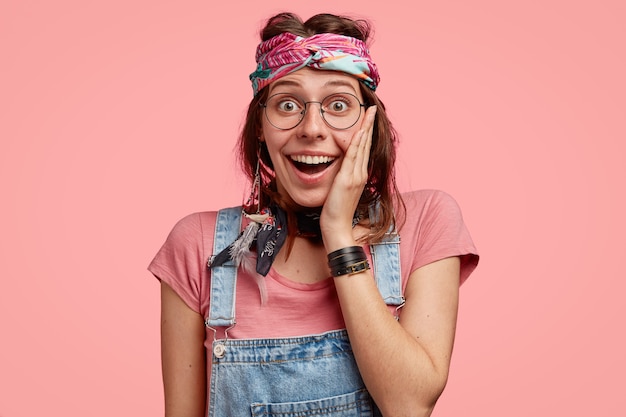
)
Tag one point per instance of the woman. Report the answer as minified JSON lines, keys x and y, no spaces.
{"x":309,"y":303}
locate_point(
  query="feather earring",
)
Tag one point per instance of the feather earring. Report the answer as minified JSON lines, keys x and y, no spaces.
{"x":240,"y":250}
{"x":241,"y":247}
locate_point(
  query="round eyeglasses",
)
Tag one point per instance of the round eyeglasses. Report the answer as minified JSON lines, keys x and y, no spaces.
{"x":340,"y":111}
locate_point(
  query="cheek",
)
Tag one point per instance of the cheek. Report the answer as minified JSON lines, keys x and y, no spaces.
{"x":274,"y":146}
{"x":344,"y":140}
{"x":271,"y":151}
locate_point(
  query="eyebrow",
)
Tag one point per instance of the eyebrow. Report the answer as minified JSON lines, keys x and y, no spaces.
{"x":285,"y":82}
{"x":331,"y":83}
{"x":340,"y":83}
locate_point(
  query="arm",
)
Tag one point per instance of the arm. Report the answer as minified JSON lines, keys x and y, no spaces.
{"x":183,"y":357}
{"x":404,"y":365}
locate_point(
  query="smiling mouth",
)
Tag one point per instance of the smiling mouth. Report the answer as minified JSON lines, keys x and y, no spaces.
{"x":311,"y":164}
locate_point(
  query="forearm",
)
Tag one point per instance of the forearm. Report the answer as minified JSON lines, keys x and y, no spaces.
{"x":183,"y":357}
{"x":184,"y":391}
{"x":398,"y":371}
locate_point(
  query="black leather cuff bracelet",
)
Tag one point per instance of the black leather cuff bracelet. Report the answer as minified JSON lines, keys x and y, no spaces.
{"x":345,"y":251}
{"x":351,"y":269}
{"x":347,"y":259}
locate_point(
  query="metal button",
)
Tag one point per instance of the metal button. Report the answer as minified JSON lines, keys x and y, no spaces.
{"x":219,"y":350}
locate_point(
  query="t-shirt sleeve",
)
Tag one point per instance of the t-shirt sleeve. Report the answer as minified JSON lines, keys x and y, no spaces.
{"x":181,"y":261}
{"x":440,"y":231}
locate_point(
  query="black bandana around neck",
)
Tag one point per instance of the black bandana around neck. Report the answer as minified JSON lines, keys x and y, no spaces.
{"x":269,"y":231}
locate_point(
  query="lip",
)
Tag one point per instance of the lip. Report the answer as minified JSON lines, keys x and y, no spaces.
{"x":310,"y":179}
{"x":312,"y":159}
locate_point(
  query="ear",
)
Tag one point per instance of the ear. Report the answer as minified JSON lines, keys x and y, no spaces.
{"x":260,"y":137}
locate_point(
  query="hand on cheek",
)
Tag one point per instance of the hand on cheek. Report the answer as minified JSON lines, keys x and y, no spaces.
{"x":344,"y":195}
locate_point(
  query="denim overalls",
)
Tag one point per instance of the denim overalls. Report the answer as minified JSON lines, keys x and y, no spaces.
{"x":308,"y":376}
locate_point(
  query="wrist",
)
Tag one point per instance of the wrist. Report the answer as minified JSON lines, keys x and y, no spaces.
{"x":336,"y":243}
{"x":348,"y":260}
{"x":338,"y":238}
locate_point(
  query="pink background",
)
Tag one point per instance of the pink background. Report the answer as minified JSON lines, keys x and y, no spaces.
{"x":117,"y":118}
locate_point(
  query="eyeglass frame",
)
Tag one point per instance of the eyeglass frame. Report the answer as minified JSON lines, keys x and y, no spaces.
{"x":304,"y":111}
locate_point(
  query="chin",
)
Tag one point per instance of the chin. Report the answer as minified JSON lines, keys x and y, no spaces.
{"x":309,"y":200}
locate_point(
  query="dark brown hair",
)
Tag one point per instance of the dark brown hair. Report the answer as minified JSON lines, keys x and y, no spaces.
{"x":381,"y":185}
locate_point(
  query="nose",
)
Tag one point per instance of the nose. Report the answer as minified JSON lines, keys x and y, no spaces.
{"x":312,"y":124}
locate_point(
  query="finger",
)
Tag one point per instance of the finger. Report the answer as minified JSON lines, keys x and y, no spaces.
{"x":362,"y":156}
{"x":353,"y":147}
{"x":362,"y":140}
{"x":366,"y":153}
{"x":366,"y":144}
{"x":356,"y":158}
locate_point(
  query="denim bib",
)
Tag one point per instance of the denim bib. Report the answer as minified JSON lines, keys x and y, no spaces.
{"x":307,"y":376}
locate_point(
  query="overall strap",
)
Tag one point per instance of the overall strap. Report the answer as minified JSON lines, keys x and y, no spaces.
{"x":386,"y":259}
{"x":224,"y":277}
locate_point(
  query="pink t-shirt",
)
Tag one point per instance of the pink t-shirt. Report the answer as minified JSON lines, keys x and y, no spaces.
{"x":434,"y":229}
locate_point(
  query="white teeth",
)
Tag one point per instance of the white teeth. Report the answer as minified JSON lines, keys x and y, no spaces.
{"x":312,"y":160}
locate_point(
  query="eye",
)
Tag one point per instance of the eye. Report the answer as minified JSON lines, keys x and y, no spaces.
{"x":338,"y":106}
{"x":287,"y":105}
{"x":339,"y":103}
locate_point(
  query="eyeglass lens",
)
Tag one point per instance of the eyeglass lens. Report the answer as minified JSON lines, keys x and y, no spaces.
{"x":340,"y":111}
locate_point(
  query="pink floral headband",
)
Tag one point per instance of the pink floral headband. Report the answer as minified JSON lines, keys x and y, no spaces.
{"x":286,"y":53}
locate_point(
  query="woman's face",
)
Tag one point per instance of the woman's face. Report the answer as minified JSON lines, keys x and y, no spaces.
{"x":307,"y":157}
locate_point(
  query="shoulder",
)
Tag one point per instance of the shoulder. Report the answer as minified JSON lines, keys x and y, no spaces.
{"x":427,"y":195}
{"x":198,"y":228}
{"x":434,"y":229}
{"x":426,"y":203}
{"x":192,"y":226}
{"x":180,"y":262}
{"x":201,"y":222}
